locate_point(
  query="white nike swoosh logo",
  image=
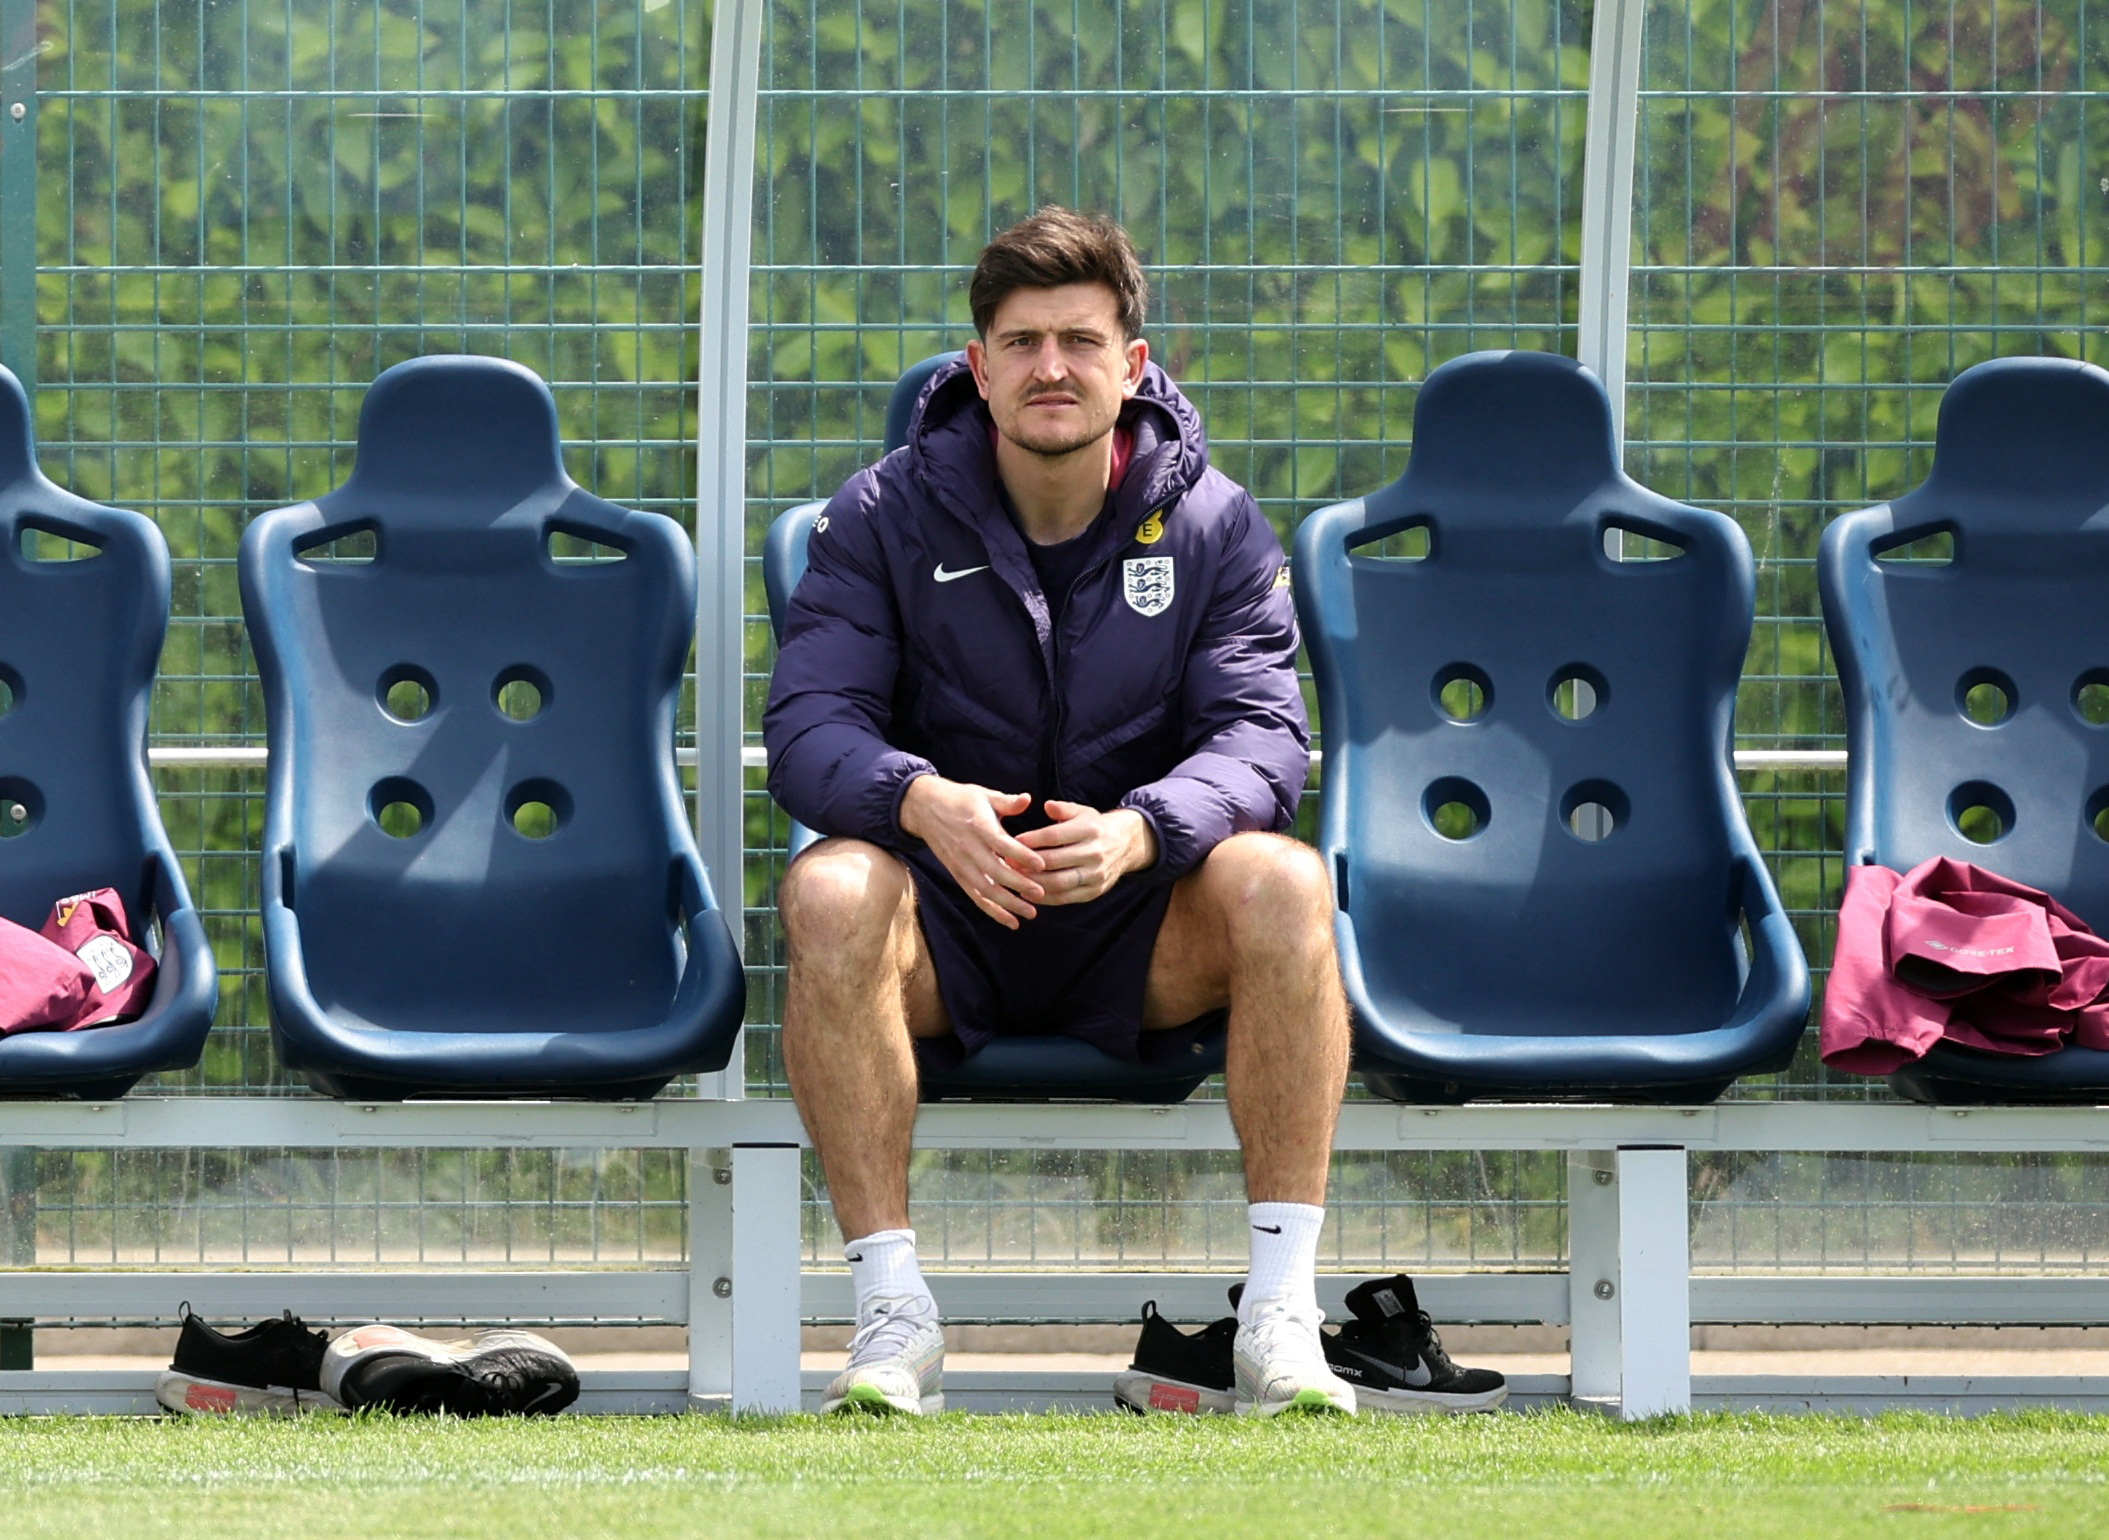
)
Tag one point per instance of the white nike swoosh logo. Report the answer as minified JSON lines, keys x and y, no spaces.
{"x":948,"y":577}
{"x":1419,"y":1377}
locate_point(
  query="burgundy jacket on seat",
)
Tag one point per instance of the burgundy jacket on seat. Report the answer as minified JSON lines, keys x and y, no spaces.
{"x":1951,"y":952}
{"x":918,"y":641}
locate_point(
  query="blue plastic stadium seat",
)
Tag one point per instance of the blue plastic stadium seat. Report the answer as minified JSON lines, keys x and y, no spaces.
{"x":784,"y":554}
{"x":78,"y":643}
{"x":1971,"y":630}
{"x":1009,"y":1069}
{"x":1546,"y":885}
{"x":431,"y":660}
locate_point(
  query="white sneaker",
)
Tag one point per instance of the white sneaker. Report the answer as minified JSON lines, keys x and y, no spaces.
{"x":1279,"y":1363}
{"x":896,"y":1361}
{"x":181,"y":1392}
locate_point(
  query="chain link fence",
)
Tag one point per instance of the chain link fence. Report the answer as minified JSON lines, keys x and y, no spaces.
{"x":244,"y":212}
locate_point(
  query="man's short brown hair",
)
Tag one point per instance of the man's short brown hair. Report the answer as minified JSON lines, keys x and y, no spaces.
{"x":1057,"y":246}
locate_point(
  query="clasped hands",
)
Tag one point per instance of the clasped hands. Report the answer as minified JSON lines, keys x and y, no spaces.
{"x":1073,"y":860}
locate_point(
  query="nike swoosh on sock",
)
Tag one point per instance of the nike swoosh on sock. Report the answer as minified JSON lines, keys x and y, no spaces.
{"x":1268,"y":1229}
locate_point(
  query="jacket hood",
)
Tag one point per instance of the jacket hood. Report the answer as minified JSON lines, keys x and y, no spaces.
{"x":950,"y":455}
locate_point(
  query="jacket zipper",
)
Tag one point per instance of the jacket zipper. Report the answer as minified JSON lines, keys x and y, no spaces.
{"x":1061,"y":703}
{"x":1054,"y":684}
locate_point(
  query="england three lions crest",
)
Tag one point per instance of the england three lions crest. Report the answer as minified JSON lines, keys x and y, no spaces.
{"x":1147,"y":584}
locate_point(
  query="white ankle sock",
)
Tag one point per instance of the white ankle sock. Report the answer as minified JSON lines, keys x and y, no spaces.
{"x":1284,"y":1257}
{"x":882,"y":1265}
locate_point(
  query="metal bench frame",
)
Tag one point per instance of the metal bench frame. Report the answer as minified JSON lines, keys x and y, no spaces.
{"x":1628,"y":1298}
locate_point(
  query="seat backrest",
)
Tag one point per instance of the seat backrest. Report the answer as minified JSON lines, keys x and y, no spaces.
{"x":1971,"y":631}
{"x":1529,"y":805}
{"x":461,"y":642}
{"x":907,"y":391}
{"x":784,"y":551}
{"x":84,"y":597}
{"x":784,"y":559}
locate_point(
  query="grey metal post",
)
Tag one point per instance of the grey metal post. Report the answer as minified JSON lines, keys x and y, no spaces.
{"x":1607,"y":197}
{"x":709,"y":1279}
{"x":721,"y":448}
{"x":721,"y":468}
{"x":18,"y":350}
{"x":1592,"y":1276}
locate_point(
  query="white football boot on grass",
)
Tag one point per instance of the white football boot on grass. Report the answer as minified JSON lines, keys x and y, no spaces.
{"x":896,"y":1361}
{"x":1279,"y":1363}
{"x":501,"y":1373}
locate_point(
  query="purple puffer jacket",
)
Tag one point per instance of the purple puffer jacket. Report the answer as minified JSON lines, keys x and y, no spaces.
{"x":918,"y":641}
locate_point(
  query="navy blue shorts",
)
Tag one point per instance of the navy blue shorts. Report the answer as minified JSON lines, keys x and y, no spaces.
{"x":1077,"y":970}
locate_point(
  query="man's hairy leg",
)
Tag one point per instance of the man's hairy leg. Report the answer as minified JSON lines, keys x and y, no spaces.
{"x":860,"y":987}
{"x":1252,"y":928}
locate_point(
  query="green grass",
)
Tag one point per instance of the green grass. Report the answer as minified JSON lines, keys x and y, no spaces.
{"x":1557,"y":1474}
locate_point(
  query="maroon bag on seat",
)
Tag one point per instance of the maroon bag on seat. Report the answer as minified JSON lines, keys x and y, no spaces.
{"x":42,"y":985}
{"x":92,"y":927}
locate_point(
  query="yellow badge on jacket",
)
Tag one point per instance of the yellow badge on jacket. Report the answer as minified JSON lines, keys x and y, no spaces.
{"x":1151,"y":529}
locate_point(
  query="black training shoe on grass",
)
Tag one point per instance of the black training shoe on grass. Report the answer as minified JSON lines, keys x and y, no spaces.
{"x":272,"y":1368}
{"x":1176,"y":1371}
{"x":1390,"y":1353}
{"x":493,"y":1374}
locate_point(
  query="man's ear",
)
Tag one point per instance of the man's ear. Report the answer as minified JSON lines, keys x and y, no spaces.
{"x":1138,"y":354}
{"x":978,"y":361}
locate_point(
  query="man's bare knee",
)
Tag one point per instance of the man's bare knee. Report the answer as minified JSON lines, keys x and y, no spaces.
{"x":842,"y":894}
{"x":1259,"y":904}
{"x":1272,"y":894}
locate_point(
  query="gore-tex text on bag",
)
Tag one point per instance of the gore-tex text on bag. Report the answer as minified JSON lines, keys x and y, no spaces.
{"x":93,"y":928}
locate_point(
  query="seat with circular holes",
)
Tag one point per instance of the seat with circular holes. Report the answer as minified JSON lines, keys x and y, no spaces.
{"x":478,"y":872}
{"x":1973,"y":647}
{"x":84,"y":594}
{"x":1015,"y":1068}
{"x":1526,"y":669}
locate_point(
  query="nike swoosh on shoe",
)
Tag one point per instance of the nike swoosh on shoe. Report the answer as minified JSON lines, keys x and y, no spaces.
{"x":942,"y":576}
{"x":540,"y":1396}
{"x":1418,"y":1377}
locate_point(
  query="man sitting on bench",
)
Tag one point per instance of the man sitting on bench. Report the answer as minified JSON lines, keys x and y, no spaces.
{"x":1038,"y":686}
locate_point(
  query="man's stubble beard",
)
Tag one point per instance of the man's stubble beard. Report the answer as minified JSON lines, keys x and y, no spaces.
{"x":1063,"y":452}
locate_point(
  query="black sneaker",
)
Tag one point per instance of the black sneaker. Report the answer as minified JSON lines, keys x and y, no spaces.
{"x":1176,"y":1371}
{"x":493,"y":1374}
{"x":1390,"y":1353}
{"x":274,"y":1367}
